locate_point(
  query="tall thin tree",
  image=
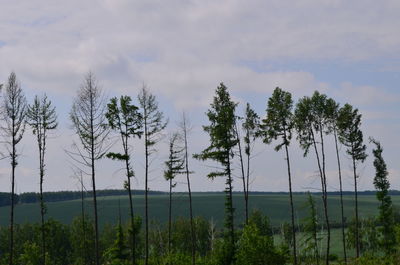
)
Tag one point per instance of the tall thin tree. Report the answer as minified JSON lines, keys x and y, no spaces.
{"x":311,"y":122}
{"x":174,"y":166}
{"x":279,"y":124}
{"x":222,"y":141}
{"x":14,"y":115}
{"x":124,"y":118}
{"x":241,"y":160}
{"x":250,"y":126}
{"x":88,"y":120}
{"x":153,"y":124}
{"x":351,"y":136}
{"x":332,"y":110}
{"x":185,"y":127}
{"x":42,"y":118}
{"x":386,"y":214}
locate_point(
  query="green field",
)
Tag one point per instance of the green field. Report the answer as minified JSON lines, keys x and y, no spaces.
{"x":208,"y":205}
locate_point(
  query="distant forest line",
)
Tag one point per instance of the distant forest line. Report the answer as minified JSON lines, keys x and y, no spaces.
{"x":57,"y":196}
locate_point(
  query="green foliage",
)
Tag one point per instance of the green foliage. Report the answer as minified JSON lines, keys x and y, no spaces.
{"x":119,"y":251}
{"x":31,"y":254}
{"x":279,"y":120}
{"x":221,"y":131}
{"x":82,"y":241}
{"x":368,"y":235}
{"x":310,"y":228}
{"x":256,"y":249}
{"x":223,"y":138}
{"x":261,"y":222}
{"x":386,"y":216}
{"x":250,"y":125}
{"x":175,"y":163}
{"x":350,"y":134}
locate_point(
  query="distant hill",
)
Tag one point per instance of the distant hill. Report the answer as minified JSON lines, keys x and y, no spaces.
{"x":56,"y":196}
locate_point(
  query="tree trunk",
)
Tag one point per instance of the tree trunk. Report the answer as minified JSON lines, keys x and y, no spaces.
{"x":92,"y":156}
{"x":170,"y":217}
{"x":230,"y":207}
{"x":356,"y":205}
{"x":341,"y":197}
{"x":291,"y":200}
{"x":146,"y":189}
{"x":128,"y":175}
{"x":84,"y":255}
{"x":192,"y":231}
{"x":13,"y":164}
{"x":328,"y":243}
{"x":323,"y":186}
{"x":243,"y":175}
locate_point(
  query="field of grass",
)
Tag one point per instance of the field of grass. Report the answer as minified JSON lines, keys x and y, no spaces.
{"x":208,"y":205}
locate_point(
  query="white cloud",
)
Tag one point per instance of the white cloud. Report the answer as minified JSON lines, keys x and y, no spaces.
{"x":183,"y":49}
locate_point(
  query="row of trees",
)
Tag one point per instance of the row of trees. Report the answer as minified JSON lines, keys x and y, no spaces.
{"x":94,"y":119}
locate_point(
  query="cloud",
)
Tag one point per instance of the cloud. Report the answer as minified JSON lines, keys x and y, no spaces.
{"x":183,"y":49}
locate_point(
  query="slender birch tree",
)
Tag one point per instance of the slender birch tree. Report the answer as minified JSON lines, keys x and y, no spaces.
{"x":153,"y":124}
{"x":351,"y":136}
{"x":222,"y":141}
{"x":89,"y":122}
{"x":124,"y":118}
{"x":42,"y":119}
{"x":14,"y":116}
{"x":279,"y":124}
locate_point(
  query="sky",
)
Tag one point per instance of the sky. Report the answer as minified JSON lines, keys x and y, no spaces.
{"x":182,"y":50}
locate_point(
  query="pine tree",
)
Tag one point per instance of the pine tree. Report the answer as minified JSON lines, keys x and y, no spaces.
{"x":222,"y":141}
{"x":124,"y":118}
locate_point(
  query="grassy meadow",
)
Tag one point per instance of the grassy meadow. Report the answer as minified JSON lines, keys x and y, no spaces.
{"x":208,"y":205}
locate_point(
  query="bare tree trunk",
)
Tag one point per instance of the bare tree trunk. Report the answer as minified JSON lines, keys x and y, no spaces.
{"x":42,"y":213}
{"x":243,"y":175}
{"x":230,"y":207}
{"x":341,"y":197}
{"x":170,"y":217}
{"x":13,"y":164}
{"x":356,"y":205}
{"x":96,"y":226}
{"x":291,"y":199}
{"x":192,"y":229}
{"x":128,"y":174}
{"x":146,"y":190}
{"x":84,"y":255}
{"x":324,"y":197}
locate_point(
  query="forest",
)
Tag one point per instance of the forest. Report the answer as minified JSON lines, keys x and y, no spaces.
{"x":312,"y":122}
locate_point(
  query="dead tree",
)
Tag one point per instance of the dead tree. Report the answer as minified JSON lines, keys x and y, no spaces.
{"x":88,"y":120}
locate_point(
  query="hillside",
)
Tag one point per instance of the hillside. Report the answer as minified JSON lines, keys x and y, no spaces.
{"x":208,"y":205}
